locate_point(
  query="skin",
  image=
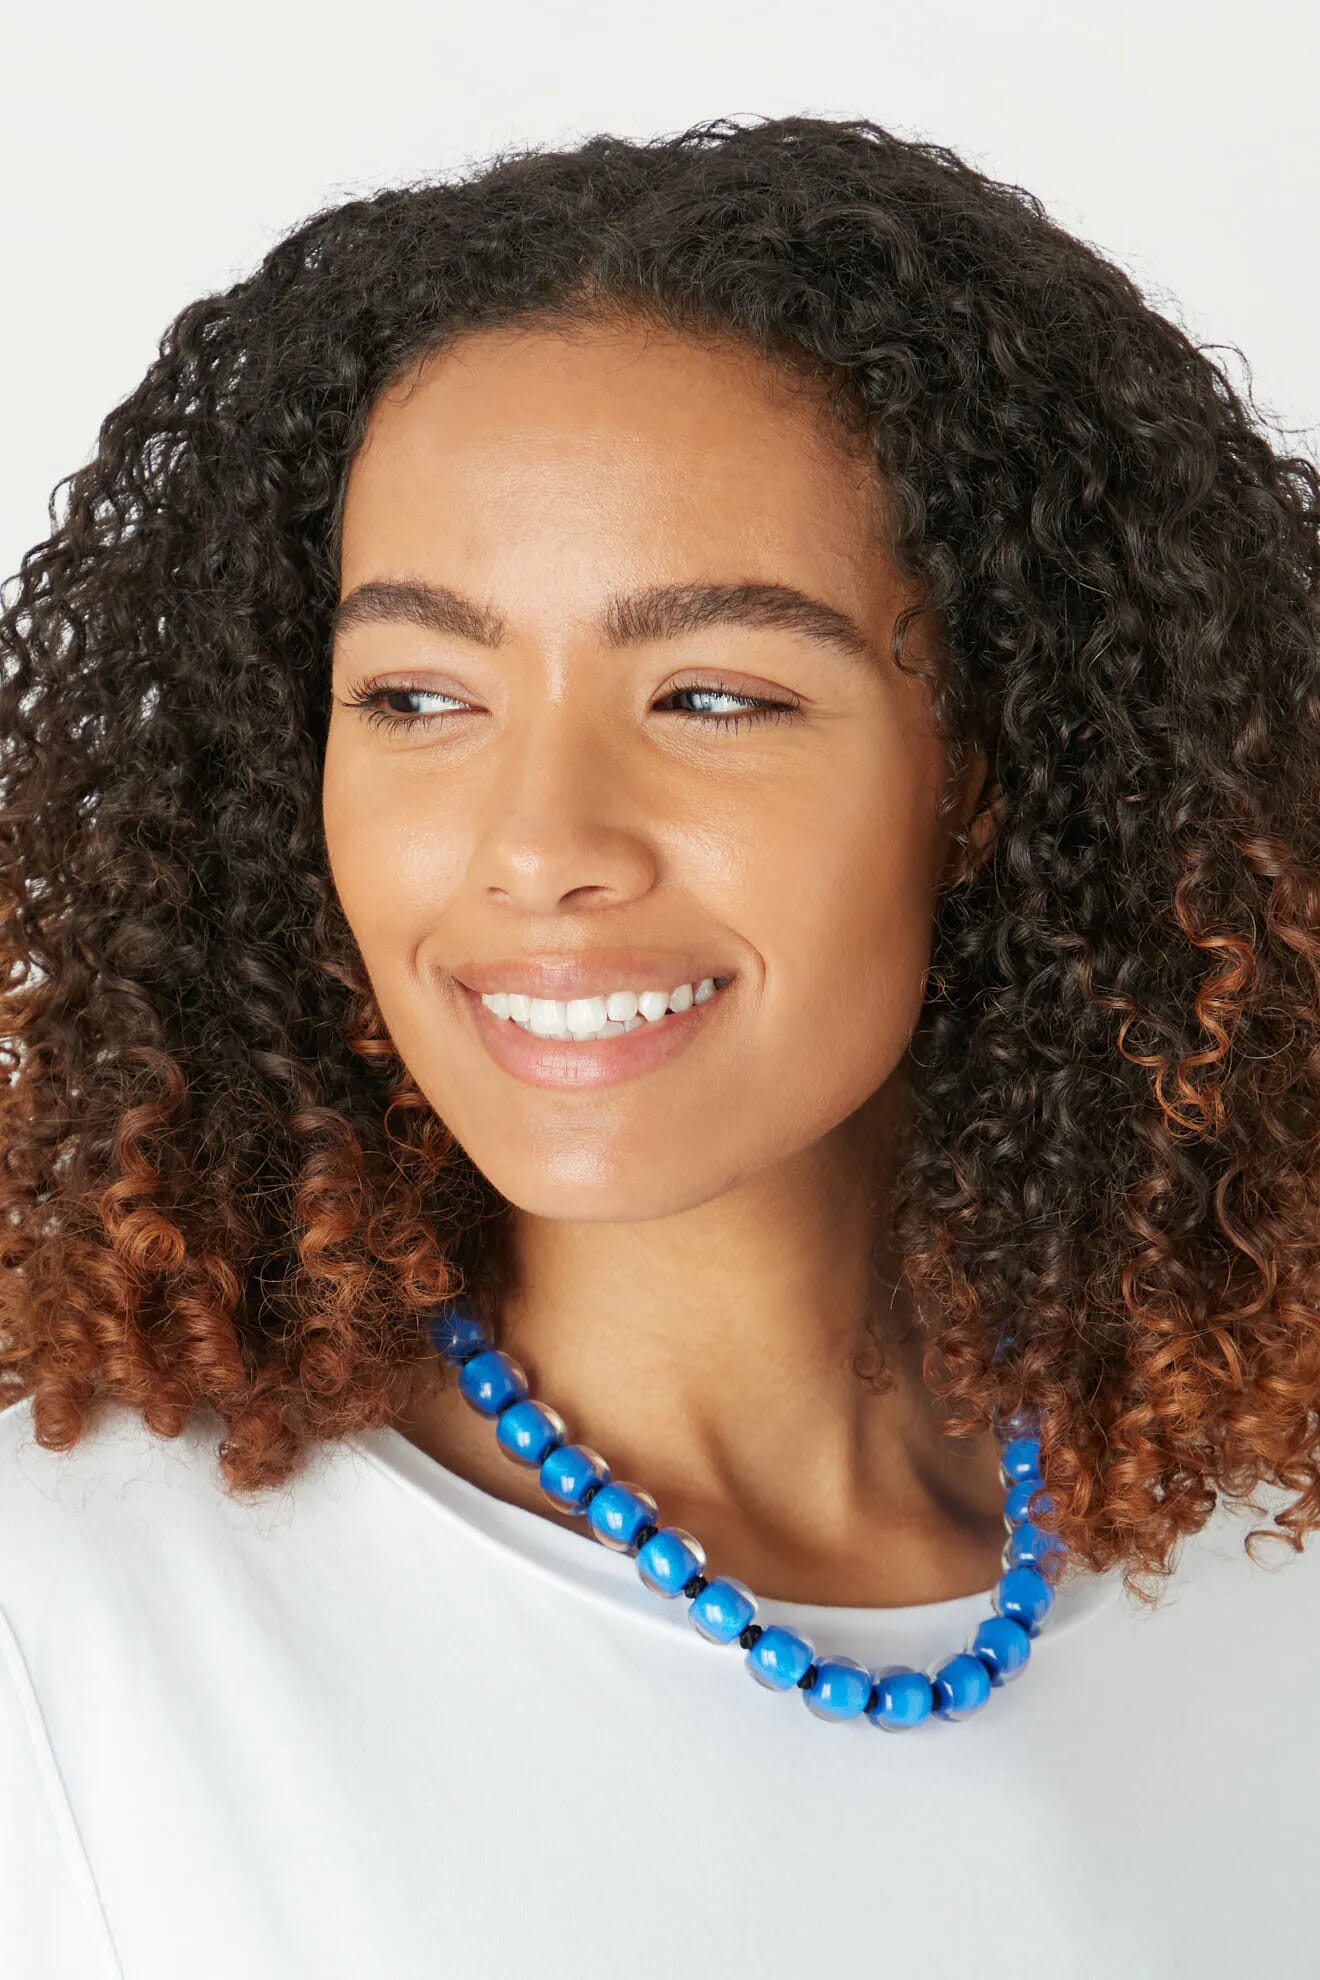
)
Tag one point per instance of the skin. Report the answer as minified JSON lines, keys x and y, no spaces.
{"x":692,"y":1247}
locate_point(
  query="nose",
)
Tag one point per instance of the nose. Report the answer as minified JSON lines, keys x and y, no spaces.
{"x":567,"y":817}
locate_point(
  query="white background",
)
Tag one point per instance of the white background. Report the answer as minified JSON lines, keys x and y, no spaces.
{"x":153,"y":150}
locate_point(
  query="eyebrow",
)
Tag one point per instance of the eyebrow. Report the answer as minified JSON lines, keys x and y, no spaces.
{"x":629,"y":619}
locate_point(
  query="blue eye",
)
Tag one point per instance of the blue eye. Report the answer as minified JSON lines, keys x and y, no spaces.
{"x":371,"y":701}
{"x":758,"y":708}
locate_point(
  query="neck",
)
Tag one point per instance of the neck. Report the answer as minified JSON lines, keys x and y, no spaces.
{"x":755,"y":1363}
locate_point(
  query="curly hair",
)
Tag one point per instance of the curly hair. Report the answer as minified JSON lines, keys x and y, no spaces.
{"x":220,"y":1185}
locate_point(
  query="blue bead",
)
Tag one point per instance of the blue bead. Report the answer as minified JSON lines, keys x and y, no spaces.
{"x":1015,"y":1505}
{"x":778,"y":1658}
{"x":669,"y":1559}
{"x":455,"y":1332}
{"x":1024,"y":1594}
{"x":1028,"y":1546}
{"x":617,"y":1511}
{"x":841,"y":1689}
{"x":527,"y":1430}
{"x":491,"y":1381}
{"x":1010,"y":1423}
{"x":1020,"y":1458}
{"x":567,"y":1471}
{"x":961,"y":1686}
{"x":903,"y":1698}
{"x":722,"y":1610}
{"x":1003,"y":1647}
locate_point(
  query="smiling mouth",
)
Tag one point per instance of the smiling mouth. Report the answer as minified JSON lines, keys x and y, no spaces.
{"x":618,"y":1050}
{"x":552,"y":1019}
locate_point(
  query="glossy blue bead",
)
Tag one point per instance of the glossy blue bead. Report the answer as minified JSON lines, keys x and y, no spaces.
{"x":903,"y":1698}
{"x":961,"y":1686}
{"x":1020,"y":1458}
{"x":1025,"y":1595}
{"x":669,"y":1559}
{"x":893,"y":1698}
{"x":1028,"y":1546}
{"x":491,"y":1381}
{"x":527,"y":1430}
{"x":617,"y":1511}
{"x":568,"y":1470}
{"x":723,"y":1609}
{"x":841,"y":1689}
{"x":1015,"y":1505}
{"x":778,"y":1658}
{"x":455,"y":1332}
{"x":1003,"y":1647}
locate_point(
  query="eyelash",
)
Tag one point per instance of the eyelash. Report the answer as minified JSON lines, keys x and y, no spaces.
{"x":368,"y":698}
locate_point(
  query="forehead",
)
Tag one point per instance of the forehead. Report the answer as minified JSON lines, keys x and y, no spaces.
{"x":637,"y":442}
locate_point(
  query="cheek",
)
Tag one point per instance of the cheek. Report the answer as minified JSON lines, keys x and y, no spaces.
{"x":847,"y":937}
{"x":393,"y":864}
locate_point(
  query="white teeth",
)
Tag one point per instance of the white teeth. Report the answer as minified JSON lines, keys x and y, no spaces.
{"x":583,"y":1015}
{"x":581,"y":1018}
{"x":547,"y":1017}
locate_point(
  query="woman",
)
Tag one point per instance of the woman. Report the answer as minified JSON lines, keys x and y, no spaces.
{"x":660,"y":885}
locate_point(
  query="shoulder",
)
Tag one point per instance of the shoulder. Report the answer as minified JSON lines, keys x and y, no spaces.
{"x":77,"y":1530}
{"x":88,"y":1529}
{"x":116,"y":1441}
{"x":117,"y":1474}
{"x":1263,"y":1596}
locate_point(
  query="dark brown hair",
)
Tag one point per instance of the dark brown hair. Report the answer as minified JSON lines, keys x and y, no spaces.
{"x":219,"y":1184}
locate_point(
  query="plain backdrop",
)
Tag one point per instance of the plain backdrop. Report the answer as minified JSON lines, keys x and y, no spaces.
{"x":152,"y":151}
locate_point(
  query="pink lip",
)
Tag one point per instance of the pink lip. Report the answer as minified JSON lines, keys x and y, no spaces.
{"x":591,"y":974}
{"x":600,"y":1062}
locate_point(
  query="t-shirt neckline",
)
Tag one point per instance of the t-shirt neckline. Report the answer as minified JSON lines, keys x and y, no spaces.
{"x":578,"y":1560}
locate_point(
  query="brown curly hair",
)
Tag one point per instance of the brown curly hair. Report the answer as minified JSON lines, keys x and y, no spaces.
{"x":220,"y":1185}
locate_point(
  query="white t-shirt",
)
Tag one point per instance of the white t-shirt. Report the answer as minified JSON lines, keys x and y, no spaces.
{"x":381,"y":1724}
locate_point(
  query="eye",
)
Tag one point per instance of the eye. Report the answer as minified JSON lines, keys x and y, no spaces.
{"x":759,"y":708}
{"x":370,"y":699}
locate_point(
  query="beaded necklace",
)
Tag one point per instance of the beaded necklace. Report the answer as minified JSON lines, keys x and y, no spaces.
{"x":671,"y":1561}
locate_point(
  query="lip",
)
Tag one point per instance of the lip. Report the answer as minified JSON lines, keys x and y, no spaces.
{"x":602,"y":1062}
{"x":589,"y":975}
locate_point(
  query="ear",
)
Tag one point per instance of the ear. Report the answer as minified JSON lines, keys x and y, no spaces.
{"x":977,"y":823}
{"x":984,"y":830}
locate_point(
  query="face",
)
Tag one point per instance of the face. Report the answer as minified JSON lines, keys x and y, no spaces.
{"x":608,"y":780}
